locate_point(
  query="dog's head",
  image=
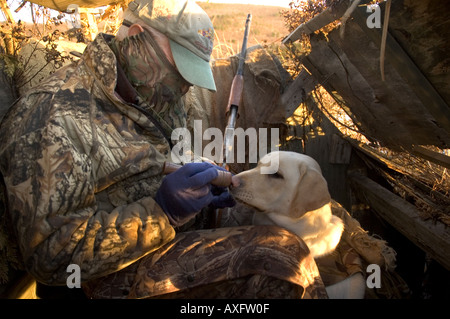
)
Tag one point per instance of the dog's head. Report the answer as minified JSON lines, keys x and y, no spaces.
{"x":295,"y":188}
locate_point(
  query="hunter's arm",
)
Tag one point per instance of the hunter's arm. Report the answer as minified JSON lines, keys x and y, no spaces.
{"x":53,"y":173}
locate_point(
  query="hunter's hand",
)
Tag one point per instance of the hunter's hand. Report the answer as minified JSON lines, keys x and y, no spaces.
{"x":186,"y":191}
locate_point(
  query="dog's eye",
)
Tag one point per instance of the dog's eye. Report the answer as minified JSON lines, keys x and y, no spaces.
{"x":276,"y":175}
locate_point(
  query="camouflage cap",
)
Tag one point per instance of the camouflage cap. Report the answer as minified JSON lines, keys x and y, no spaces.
{"x":190,"y":32}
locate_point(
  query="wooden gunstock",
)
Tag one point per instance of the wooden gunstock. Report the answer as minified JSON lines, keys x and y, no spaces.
{"x":237,"y":87}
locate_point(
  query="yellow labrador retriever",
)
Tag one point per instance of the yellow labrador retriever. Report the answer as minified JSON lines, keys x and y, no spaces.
{"x":295,"y":196}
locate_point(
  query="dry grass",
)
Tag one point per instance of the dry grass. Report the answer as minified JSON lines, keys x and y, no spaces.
{"x":267,"y":26}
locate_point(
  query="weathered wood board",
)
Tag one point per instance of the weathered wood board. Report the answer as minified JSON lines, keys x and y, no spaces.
{"x":433,"y":238}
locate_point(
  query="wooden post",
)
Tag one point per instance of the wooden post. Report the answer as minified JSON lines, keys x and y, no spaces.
{"x":433,"y":238}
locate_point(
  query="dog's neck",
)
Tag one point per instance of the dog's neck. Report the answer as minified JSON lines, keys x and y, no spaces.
{"x":319,"y":229}
{"x":309,"y":225}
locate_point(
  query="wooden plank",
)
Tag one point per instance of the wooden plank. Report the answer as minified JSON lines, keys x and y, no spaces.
{"x":391,"y":114}
{"x":408,"y":70}
{"x":357,"y":94}
{"x":318,"y":22}
{"x":431,"y":156}
{"x":323,"y":80}
{"x":340,"y":150}
{"x":297,"y":91}
{"x":433,"y":238}
{"x":394,"y":101}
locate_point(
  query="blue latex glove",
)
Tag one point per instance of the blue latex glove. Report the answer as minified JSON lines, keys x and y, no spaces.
{"x":222,"y":197}
{"x":185,"y":192}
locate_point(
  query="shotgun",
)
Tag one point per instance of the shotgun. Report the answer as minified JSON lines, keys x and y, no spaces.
{"x":237,"y":87}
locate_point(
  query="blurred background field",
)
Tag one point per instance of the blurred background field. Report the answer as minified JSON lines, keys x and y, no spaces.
{"x":267,"y":26}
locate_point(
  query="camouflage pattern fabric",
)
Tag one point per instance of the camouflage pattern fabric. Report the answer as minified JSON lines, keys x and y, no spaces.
{"x":81,"y":168}
{"x":138,"y":55}
{"x":356,"y":250}
{"x":340,"y":264}
{"x":235,"y":262}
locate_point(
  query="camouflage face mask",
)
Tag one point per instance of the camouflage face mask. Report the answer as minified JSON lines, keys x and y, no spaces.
{"x":147,"y":68}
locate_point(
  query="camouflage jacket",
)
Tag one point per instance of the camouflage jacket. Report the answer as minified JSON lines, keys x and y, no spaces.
{"x":81,"y":168}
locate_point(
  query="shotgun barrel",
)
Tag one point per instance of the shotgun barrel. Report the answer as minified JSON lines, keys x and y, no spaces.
{"x":237,"y":87}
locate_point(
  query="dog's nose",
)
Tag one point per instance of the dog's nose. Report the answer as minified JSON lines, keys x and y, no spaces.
{"x":235,"y":181}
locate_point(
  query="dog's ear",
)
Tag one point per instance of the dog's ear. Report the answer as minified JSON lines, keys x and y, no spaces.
{"x":311,"y":193}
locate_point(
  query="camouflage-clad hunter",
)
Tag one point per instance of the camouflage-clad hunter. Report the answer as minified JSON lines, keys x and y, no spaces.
{"x":81,"y":156}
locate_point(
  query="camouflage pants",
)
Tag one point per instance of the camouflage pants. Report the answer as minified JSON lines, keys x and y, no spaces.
{"x":234,"y":262}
